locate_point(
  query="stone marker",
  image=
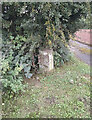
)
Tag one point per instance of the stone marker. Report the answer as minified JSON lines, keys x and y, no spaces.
{"x":46,"y":60}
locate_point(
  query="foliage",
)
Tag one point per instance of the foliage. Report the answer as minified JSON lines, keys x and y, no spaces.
{"x":29,"y":26}
{"x":20,"y":18}
{"x":16,"y":58}
{"x":11,"y":80}
{"x":61,"y":54}
{"x":86,"y":20}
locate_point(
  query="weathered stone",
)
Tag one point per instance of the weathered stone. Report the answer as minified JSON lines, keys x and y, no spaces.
{"x":46,"y":60}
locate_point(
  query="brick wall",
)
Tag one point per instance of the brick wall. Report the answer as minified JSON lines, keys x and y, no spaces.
{"x":84,"y":35}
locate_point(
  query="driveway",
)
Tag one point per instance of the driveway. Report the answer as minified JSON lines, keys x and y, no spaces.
{"x":82,"y":51}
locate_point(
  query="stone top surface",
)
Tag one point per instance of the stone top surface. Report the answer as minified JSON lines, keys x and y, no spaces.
{"x":46,"y":50}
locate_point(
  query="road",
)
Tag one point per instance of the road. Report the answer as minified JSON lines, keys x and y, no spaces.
{"x":75,"y":47}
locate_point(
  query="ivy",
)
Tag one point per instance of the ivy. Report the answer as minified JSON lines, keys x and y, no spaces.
{"x":27,"y":27}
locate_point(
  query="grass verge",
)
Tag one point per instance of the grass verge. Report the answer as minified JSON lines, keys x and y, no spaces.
{"x":62,"y":93}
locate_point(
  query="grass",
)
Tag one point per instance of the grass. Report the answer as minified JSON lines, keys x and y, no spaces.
{"x":62,"y":93}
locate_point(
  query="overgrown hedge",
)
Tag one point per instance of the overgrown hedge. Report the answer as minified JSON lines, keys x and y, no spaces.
{"x":29,"y":26}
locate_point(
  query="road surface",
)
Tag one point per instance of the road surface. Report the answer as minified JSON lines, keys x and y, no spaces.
{"x":75,"y":47}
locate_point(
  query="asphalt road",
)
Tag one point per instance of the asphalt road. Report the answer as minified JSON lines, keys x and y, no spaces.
{"x":75,"y":48}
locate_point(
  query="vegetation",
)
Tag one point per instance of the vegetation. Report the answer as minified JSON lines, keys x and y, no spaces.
{"x":62,"y":93}
{"x":27,"y":27}
{"x":86,"y":21}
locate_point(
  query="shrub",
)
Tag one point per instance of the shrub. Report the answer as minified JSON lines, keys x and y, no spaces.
{"x":27,"y":27}
{"x":10,"y":76}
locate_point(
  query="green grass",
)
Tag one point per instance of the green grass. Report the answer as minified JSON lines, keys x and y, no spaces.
{"x":62,"y":93}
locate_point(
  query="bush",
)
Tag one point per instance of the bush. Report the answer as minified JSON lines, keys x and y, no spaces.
{"x":10,"y":75}
{"x":16,"y":57}
{"x":27,"y":27}
{"x":61,"y":54}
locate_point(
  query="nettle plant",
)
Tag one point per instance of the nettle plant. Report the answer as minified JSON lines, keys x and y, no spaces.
{"x":16,"y":60}
{"x":11,"y":80}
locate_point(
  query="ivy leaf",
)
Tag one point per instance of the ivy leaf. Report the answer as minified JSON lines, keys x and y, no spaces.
{"x":27,"y":69}
{"x":28,"y":75}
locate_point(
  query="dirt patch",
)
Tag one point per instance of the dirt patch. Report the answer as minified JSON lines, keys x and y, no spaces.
{"x":34,"y":81}
{"x":50,"y":100}
{"x":87,"y":76}
{"x":86,"y":101}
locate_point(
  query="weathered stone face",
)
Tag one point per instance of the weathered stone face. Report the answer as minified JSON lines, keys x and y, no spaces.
{"x":46,"y":60}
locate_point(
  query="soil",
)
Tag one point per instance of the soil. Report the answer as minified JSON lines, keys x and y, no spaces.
{"x":34,"y":81}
